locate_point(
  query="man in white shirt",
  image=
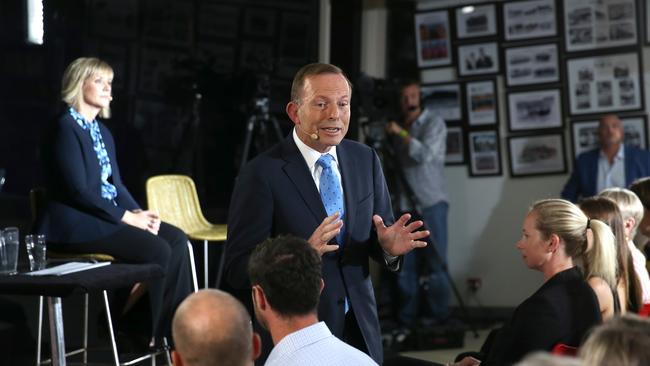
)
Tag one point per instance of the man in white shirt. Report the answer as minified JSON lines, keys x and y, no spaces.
{"x":285,"y":274}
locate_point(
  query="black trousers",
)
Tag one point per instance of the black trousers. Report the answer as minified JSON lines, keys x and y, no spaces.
{"x":168,"y":249}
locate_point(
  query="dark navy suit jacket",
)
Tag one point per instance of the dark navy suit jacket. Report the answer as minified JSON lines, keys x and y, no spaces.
{"x":582,"y":182}
{"x":275,"y":194}
{"x":76,"y":211}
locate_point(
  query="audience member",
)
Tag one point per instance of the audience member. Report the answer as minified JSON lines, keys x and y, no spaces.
{"x":632,"y":212}
{"x":641,"y":188}
{"x":212,"y":328}
{"x":621,"y":341}
{"x":625,"y":292}
{"x":285,"y":273}
{"x":548,"y":359}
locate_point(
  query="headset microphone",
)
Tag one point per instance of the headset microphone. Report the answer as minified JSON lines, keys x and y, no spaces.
{"x":110,"y":98}
{"x":314,"y":136}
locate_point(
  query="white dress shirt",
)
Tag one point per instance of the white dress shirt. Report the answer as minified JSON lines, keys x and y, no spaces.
{"x":611,"y":175}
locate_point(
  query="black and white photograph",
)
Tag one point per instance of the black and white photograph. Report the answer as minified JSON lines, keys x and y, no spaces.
{"x":604,"y":83}
{"x":534,"y":110}
{"x":536,"y":155}
{"x":484,"y":155}
{"x":455,"y":147}
{"x":443,"y":99}
{"x":482,"y":104}
{"x":529,"y":19}
{"x":476,"y":21}
{"x":432,"y":39}
{"x":532,"y":65}
{"x":599,"y":24}
{"x":584,"y":134}
{"x":478,"y":59}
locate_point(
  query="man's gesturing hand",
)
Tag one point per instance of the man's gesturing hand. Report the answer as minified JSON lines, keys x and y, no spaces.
{"x":328,"y":229}
{"x":400,"y":238}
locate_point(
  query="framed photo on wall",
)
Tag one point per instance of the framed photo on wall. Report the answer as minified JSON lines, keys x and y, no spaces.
{"x":606,"y":83}
{"x":532,"y":65}
{"x":481,"y":101}
{"x":484,"y":153}
{"x":536,"y":155}
{"x":599,"y":24}
{"x":478,"y":59}
{"x":529,"y":19}
{"x":443,"y":99}
{"x":584,"y":134}
{"x":476,"y":21}
{"x":432,"y":39}
{"x":455,"y":146}
{"x":534,"y":110}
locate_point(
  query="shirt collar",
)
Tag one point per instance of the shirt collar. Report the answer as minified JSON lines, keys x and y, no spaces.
{"x":309,"y":154}
{"x":81,"y":120}
{"x":620,"y":154}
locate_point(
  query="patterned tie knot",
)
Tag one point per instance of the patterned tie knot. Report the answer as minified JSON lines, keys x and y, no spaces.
{"x":325,"y":161}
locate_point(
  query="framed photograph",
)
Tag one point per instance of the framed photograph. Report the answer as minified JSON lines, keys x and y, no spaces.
{"x":478,"y":59}
{"x":534,"y":110}
{"x":532,"y":65}
{"x":218,"y":20}
{"x":599,"y":24}
{"x":523,"y":20}
{"x":484,"y":153}
{"x":536,"y":155}
{"x":432,"y":39}
{"x":455,"y":146}
{"x":114,"y":18}
{"x":605,"y":83}
{"x":482,"y":103}
{"x":168,"y":22}
{"x":476,"y":21}
{"x":584,"y":134}
{"x":259,"y":22}
{"x":443,"y":99}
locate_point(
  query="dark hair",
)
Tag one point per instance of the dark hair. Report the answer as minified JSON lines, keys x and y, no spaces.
{"x":289,"y":271}
{"x":403,"y":83}
{"x":641,"y":187}
{"x":313,"y":69}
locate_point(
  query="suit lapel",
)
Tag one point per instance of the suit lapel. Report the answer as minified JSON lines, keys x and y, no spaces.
{"x":297,"y":171}
{"x":630,"y":166}
{"x":348,"y":166}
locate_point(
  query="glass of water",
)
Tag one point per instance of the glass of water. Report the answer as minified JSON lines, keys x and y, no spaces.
{"x":9,"y":250}
{"x":36,"y":251}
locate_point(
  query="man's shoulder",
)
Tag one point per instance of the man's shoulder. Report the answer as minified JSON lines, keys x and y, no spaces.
{"x":589,"y":154}
{"x":632,"y":150}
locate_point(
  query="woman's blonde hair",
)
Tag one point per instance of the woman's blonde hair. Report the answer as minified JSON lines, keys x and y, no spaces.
{"x":566,"y":220}
{"x":621,"y":341}
{"x":74,"y":76}
{"x":629,"y":204}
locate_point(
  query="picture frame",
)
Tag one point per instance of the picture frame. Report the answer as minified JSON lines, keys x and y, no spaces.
{"x":443,"y":99}
{"x":432,"y":39}
{"x":529,"y":19}
{"x":478,"y":59}
{"x":599,"y":24}
{"x":526,"y":65}
{"x":455,"y":154}
{"x":484,"y":153}
{"x":534,"y":110}
{"x":218,"y":20}
{"x":114,"y":18}
{"x":259,"y":22}
{"x":541,"y":154}
{"x":584,"y":134}
{"x":604,"y":83}
{"x":481,"y":101}
{"x":169,"y":22}
{"x":476,"y":21}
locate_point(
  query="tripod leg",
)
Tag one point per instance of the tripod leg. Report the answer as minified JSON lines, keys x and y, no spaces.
{"x":250,"y":125}
{"x":276,"y":127}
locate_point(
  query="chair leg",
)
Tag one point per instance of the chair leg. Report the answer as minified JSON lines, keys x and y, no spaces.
{"x":39,"y":338}
{"x":222,"y":262}
{"x":205,"y":264}
{"x":57,"y":341}
{"x":195,"y":282}
{"x":109,"y":318}
{"x":85,"y":341}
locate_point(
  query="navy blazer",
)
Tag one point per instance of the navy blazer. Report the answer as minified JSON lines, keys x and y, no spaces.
{"x":582,"y":182}
{"x":275,"y":194}
{"x":563,"y":310}
{"x":76,"y":211}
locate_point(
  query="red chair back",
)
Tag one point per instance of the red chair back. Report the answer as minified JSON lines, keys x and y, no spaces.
{"x":562,"y":349}
{"x":645,"y":310}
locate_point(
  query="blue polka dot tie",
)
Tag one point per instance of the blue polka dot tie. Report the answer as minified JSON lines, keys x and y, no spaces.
{"x":330,"y":191}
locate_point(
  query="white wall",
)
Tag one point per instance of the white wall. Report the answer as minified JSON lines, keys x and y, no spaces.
{"x":485,"y":214}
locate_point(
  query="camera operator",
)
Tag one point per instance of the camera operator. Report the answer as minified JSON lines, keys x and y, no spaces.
{"x":419,"y":142}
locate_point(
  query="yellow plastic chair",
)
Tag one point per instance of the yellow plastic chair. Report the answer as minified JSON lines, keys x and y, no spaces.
{"x":175,"y":198}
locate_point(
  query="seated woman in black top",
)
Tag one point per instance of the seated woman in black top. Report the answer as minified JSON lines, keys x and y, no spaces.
{"x":90,"y":210}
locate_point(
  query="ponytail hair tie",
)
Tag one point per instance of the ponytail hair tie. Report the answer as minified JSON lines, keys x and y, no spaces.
{"x":588,"y":223}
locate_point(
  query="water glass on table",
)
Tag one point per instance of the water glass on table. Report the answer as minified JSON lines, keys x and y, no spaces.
{"x":36,"y":251}
{"x":9,"y":242}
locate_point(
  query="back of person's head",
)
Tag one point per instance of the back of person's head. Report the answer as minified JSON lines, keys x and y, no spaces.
{"x":74,"y":76}
{"x":621,"y":341}
{"x":211,"y":327}
{"x":313,"y":70}
{"x":641,"y":187}
{"x":547,"y":359}
{"x":288,"y":270}
{"x":629,"y":204}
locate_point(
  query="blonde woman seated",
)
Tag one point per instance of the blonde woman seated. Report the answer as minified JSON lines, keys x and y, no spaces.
{"x":621,"y":341}
{"x":563,"y":310}
{"x":625,"y":292}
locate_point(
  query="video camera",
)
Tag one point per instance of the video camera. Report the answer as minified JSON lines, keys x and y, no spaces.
{"x":378,"y":105}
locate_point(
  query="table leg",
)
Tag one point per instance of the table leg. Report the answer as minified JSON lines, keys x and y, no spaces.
{"x":56,"y":331}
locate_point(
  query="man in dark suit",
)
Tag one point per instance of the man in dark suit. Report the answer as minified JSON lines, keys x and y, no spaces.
{"x":285,"y":191}
{"x":614,"y":164}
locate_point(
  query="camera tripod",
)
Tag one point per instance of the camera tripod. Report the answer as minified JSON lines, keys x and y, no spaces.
{"x":258,"y":125}
{"x":391,"y":163}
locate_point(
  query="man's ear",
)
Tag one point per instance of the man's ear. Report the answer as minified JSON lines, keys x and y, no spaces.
{"x":292,"y":112}
{"x":322,"y":286}
{"x":259,"y":299}
{"x":176,"y":359}
{"x":257,"y":346}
